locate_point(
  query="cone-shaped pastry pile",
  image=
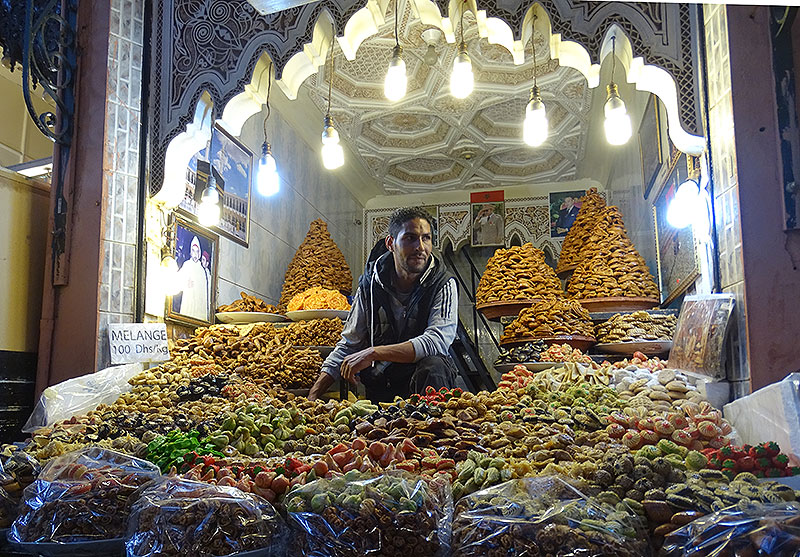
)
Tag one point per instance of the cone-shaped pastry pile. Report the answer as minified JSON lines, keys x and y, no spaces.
{"x":609,"y":265}
{"x":549,"y":318}
{"x":592,"y":205}
{"x":517,"y":273}
{"x":317,"y":262}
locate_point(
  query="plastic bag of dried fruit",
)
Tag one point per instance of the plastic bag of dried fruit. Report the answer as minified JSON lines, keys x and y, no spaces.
{"x":754,"y":529}
{"x":182,"y":517}
{"x":395,"y":513}
{"x":81,"y":496}
{"x":543,"y":516}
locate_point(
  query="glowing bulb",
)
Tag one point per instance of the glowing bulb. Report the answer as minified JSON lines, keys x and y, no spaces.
{"x":332,"y":152}
{"x":209,"y":211}
{"x":267,"y":179}
{"x":169,"y":276}
{"x":462,"y":81}
{"x":535,"y":126}
{"x":617,"y":123}
{"x":396,"y":82}
{"x":684,"y":208}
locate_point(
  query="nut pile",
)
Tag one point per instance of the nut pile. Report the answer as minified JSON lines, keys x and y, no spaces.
{"x":549,"y":318}
{"x":609,"y":264}
{"x":314,"y":332}
{"x":317,"y":262}
{"x":638,"y":325}
{"x":592,"y":205}
{"x":528,"y":352}
{"x":248,"y":303}
{"x":517,"y":273}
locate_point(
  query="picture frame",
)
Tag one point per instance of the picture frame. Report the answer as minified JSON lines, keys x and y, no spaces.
{"x":232,"y":164}
{"x":564,"y":207}
{"x":676,"y":249}
{"x":650,"y":150}
{"x":195,"y":304}
{"x":487,"y":223}
{"x":433,"y":211}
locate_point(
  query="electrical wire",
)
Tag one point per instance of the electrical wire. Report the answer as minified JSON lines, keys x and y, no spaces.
{"x":396,"y":12}
{"x":269,"y":88}
{"x":613,"y":56}
{"x":463,"y":9}
{"x":533,"y":45}
{"x":330,"y":78}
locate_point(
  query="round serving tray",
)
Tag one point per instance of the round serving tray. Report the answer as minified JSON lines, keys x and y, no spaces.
{"x":643,"y":346}
{"x":576,"y":341}
{"x":306,"y":314}
{"x":618,"y":303}
{"x":243,"y":317}
{"x":531,"y":366}
{"x":495,"y":310}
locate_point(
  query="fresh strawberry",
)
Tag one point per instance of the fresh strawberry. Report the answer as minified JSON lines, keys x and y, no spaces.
{"x":730,"y":464}
{"x":758,"y":451}
{"x":726,"y":452}
{"x":714,"y":463}
{"x":738,"y":452}
{"x":710,"y":453}
{"x":780,"y":461}
{"x":763,"y":463}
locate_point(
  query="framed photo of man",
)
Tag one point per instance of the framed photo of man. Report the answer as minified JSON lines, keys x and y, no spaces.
{"x":488,"y":223}
{"x":564,"y":207}
{"x":196,"y":252}
{"x":232,"y":165}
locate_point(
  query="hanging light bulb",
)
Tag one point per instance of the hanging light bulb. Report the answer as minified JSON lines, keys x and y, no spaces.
{"x":430,"y":56}
{"x":462,"y":80}
{"x":535,"y":126}
{"x":396,"y":82}
{"x":332,"y":152}
{"x":617,"y":123}
{"x":209,"y":211}
{"x":267,"y":179}
{"x":684,"y":207}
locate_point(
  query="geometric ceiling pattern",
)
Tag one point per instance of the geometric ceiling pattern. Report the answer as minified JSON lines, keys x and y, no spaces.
{"x":431,"y":141}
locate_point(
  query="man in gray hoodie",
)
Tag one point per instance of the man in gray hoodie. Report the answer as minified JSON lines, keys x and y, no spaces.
{"x":403,"y":319}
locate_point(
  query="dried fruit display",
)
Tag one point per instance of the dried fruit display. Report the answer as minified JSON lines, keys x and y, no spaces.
{"x":317,"y":297}
{"x":592,"y":206}
{"x":248,"y":303}
{"x":549,"y":318}
{"x":609,"y":264}
{"x":638,"y":325}
{"x":317,"y":262}
{"x":517,"y":273}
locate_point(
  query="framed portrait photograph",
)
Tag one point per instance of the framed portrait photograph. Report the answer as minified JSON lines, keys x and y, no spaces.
{"x":232,"y":165}
{"x":676,"y":252}
{"x":433,"y":211}
{"x":488,"y":223}
{"x":650,"y":145}
{"x":196,"y":252}
{"x":564,"y":207}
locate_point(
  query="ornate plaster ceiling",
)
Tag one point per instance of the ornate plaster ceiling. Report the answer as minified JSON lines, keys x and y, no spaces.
{"x":431,"y":141}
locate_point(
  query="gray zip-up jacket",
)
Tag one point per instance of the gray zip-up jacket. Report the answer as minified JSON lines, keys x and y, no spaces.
{"x":361,"y":329}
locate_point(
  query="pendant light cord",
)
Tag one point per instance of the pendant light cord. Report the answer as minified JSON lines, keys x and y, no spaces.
{"x":613,"y":56}
{"x":463,"y":9}
{"x":396,"y":15}
{"x":330,"y":79}
{"x":533,"y":46}
{"x":269,"y":88}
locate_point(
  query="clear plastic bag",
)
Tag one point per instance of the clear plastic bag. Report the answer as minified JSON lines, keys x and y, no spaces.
{"x":81,"y":496}
{"x":178,"y":517}
{"x":79,"y":395}
{"x":392,"y":514}
{"x":544,"y":516}
{"x":772,"y":529}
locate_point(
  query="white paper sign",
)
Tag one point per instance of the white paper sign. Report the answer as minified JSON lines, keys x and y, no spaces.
{"x":138,"y":342}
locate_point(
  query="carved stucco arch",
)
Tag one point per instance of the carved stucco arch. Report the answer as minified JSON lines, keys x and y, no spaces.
{"x":298,"y":39}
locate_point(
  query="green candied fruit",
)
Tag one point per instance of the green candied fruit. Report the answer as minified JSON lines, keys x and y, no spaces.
{"x":676,"y":461}
{"x":695,"y":460}
{"x":649,"y":451}
{"x":668,"y":447}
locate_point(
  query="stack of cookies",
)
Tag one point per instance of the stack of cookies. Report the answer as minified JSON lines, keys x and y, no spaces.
{"x":638,"y":325}
{"x":317,"y":262}
{"x":592,"y":205}
{"x":549,"y":318}
{"x":517,"y":273}
{"x":609,"y":265}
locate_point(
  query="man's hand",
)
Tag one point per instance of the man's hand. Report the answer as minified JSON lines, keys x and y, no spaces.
{"x":355,"y":362}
